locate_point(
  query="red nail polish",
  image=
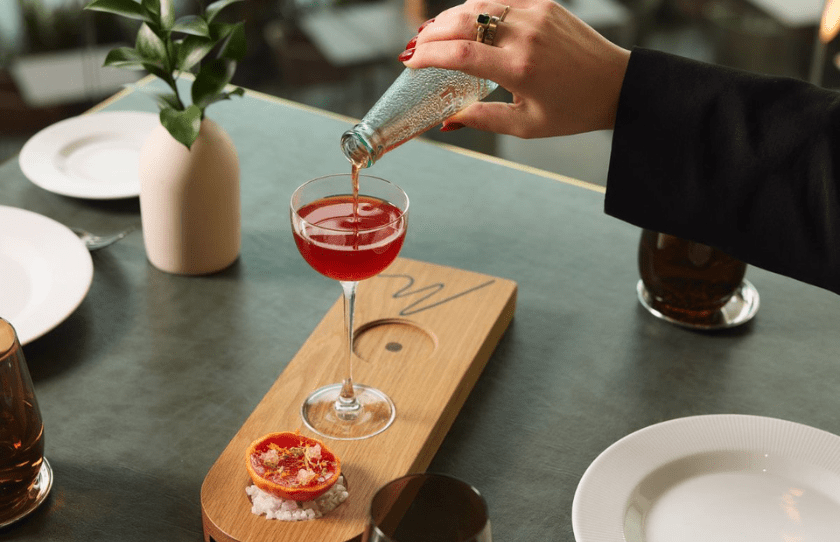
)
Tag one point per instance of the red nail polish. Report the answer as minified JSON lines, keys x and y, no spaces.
{"x":424,"y":25}
{"x":405,"y":55}
{"x":451,"y":126}
{"x":411,"y":43}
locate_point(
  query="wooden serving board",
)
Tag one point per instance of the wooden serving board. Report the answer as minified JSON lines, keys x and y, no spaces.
{"x":425,"y":333}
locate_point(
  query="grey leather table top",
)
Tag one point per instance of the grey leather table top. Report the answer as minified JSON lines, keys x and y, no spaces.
{"x":144,"y":384}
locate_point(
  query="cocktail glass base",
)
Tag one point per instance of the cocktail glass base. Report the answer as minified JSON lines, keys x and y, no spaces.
{"x":375,"y":413}
{"x":739,"y":310}
{"x":37,"y":494}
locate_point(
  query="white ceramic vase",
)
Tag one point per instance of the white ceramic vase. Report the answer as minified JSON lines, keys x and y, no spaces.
{"x":189,"y":201}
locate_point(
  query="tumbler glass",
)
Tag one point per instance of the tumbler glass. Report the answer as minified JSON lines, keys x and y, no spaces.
{"x":25,"y":476}
{"x":693,"y":284}
{"x":424,"y":507}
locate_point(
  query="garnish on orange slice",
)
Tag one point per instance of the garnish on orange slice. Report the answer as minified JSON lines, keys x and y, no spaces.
{"x":292,"y":466}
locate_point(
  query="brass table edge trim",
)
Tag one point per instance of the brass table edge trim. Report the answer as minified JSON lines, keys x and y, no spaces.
{"x":525,"y":168}
{"x":129,"y":89}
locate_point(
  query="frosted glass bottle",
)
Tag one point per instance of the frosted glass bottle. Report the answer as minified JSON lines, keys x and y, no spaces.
{"x":415,"y":102}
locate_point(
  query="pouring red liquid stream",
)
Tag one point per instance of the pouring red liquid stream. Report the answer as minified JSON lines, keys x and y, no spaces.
{"x":354,"y":174}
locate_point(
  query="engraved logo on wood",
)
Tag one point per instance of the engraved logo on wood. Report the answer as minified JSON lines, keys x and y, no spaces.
{"x":429,"y":298}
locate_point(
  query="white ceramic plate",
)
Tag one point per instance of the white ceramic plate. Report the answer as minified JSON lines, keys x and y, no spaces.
{"x":90,"y":156}
{"x":45,"y":272}
{"x":725,"y":478}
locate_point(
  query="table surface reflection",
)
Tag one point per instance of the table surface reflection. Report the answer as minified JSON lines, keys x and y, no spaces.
{"x":143,"y":386}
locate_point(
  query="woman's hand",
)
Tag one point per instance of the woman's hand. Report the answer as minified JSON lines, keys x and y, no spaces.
{"x":565,"y":77}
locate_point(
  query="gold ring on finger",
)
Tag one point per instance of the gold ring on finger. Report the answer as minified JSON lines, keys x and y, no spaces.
{"x":490,"y":32}
{"x":482,"y":23}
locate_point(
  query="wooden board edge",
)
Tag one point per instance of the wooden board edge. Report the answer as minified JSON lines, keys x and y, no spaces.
{"x":214,"y":533}
{"x":456,"y":402}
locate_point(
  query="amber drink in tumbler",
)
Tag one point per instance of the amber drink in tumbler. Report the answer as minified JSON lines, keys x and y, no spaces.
{"x":687,"y":281}
{"x":427,"y":506}
{"x":21,"y":429}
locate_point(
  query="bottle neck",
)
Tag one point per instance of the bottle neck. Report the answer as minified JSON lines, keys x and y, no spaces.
{"x":360,"y":145}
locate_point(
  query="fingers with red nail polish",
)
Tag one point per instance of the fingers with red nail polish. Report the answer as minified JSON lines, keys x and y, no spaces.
{"x":451,"y":126}
{"x":405,"y":55}
{"x":409,"y":48}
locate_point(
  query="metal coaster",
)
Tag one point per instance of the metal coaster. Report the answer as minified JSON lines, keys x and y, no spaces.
{"x":37,"y":494}
{"x":737,"y":311}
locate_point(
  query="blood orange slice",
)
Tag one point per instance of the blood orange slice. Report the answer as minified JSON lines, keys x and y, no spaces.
{"x":292,"y":466}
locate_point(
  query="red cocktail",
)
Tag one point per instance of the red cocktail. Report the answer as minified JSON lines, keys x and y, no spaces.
{"x":349,"y":236}
{"x":349,"y":240}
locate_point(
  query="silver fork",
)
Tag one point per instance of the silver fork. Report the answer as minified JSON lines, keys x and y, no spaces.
{"x":95,"y":242}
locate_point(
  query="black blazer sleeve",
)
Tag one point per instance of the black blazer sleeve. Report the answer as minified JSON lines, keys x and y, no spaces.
{"x":742,"y":162}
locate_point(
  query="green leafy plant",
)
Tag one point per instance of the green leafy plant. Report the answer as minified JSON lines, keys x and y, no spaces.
{"x":167,"y":47}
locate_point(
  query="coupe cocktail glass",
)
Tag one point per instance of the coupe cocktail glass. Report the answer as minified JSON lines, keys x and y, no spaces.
{"x":349,"y":238}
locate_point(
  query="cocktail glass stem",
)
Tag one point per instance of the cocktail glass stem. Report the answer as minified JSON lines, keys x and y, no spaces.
{"x":347,"y":406}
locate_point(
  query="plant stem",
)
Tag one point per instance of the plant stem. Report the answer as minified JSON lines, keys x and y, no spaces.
{"x":171,"y":78}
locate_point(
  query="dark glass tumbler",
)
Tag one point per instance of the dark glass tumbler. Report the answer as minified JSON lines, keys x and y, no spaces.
{"x":684,"y":280}
{"x":21,"y":430}
{"x":422,"y":507}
